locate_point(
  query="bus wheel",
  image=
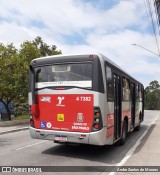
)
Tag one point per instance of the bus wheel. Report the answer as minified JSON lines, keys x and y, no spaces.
{"x":124,"y":133}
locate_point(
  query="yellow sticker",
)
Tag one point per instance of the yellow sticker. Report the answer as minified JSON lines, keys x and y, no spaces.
{"x":60,"y":117}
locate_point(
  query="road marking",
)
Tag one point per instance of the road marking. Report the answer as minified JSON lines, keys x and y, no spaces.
{"x":132,"y":150}
{"x":31,"y":145}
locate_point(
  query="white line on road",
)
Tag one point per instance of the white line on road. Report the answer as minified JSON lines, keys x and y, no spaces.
{"x":31,"y":145}
{"x":132,"y":150}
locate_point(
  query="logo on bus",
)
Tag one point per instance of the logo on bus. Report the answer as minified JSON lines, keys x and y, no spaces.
{"x":46,"y":99}
{"x":60,"y":99}
{"x":60,"y":117}
{"x":80,"y":117}
{"x":43,"y":124}
{"x":49,"y":125}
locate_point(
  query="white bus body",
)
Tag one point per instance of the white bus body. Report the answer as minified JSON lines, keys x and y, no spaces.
{"x":85,"y":99}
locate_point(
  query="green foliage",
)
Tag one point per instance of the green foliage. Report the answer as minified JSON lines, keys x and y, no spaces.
{"x":44,"y":49}
{"x":153,"y":96}
{"x":14,"y":70}
{"x":153,"y":85}
{"x":22,"y":117}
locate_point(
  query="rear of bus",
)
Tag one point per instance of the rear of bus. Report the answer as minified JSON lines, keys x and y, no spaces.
{"x":66,"y":98}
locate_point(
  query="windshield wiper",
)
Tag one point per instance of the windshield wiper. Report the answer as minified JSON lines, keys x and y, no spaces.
{"x":62,"y":88}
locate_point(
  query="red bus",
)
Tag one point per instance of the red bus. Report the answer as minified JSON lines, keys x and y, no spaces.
{"x":85,"y":99}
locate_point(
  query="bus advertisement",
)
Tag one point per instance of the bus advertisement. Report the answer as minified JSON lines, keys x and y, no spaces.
{"x":84,"y":99}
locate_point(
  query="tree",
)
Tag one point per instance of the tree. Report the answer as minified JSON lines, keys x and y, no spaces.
{"x":8,"y":55}
{"x":14,"y":69}
{"x":44,"y":49}
{"x":153,"y":96}
{"x":153,"y":85}
{"x":28,"y":51}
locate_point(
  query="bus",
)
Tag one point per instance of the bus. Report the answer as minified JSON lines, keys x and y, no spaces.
{"x":84,"y":99}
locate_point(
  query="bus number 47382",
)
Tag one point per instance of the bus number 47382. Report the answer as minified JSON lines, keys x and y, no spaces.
{"x":83,"y":98}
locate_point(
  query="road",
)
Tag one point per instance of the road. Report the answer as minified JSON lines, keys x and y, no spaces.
{"x":19,"y":149}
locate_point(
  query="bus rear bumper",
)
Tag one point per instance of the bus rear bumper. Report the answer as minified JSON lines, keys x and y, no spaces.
{"x":93,"y":138}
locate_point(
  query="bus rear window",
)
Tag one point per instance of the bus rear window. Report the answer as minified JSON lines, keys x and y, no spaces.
{"x":70,"y":75}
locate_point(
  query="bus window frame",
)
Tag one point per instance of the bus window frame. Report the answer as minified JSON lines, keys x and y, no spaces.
{"x":140,"y":93}
{"x":137,"y":92}
{"x":112,"y":85}
{"x":67,"y":87}
{"x":124,"y":78}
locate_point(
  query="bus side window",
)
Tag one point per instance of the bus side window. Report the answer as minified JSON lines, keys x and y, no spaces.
{"x":137,"y":93}
{"x":126,"y":90}
{"x":110,"y":94}
{"x":140,"y":93}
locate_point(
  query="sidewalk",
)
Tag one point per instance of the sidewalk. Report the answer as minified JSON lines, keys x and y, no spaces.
{"x":13,"y":126}
{"x":146,"y":154}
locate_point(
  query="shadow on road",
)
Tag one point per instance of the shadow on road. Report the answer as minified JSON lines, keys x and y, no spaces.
{"x":102,"y":154}
{"x":145,"y":138}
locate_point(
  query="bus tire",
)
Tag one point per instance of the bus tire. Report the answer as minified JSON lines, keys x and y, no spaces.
{"x":124,"y":134}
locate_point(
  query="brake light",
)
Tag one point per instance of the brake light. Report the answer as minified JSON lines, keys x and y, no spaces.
{"x":97,"y":114}
{"x":91,"y":56}
{"x":35,"y":110}
{"x":59,"y":88}
{"x":31,"y":122}
{"x":97,"y":122}
{"x":96,"y":126}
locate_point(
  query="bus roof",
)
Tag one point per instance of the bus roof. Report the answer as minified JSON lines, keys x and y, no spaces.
{"x":100,"y":55}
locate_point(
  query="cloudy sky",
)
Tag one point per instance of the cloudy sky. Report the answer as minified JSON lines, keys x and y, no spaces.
{"x":77,"y":26}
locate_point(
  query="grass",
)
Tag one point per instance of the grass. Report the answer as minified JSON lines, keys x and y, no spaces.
{"x":2,"y":121}
{"x":22,"y":117}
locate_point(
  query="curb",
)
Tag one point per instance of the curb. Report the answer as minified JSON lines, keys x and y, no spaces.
{"x":14,"y":122}
{"x":14,"y":130}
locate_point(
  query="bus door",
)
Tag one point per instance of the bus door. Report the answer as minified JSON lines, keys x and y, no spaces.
{"x":117,"y":106}
{"x":132,"y":88}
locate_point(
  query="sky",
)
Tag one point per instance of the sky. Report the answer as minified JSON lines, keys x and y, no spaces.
{"x":109,"y":27}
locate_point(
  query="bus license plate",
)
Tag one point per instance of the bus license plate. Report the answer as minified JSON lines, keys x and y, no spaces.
{"x":60,"y":138}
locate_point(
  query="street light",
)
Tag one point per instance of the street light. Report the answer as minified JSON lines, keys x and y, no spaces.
{"x":146,"y":49}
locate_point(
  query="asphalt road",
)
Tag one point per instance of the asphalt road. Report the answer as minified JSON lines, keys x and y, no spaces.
{"x":19,"y":149}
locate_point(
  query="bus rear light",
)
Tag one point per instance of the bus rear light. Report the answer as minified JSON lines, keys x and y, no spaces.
{"x":91,"y":56}
{"x":59,"y":88}
{"x":35,"y":110}
{"x":96,"y":126}
{"x":97,"y":114}
{"x":97,"y":121}
{"x":31,"y":122}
